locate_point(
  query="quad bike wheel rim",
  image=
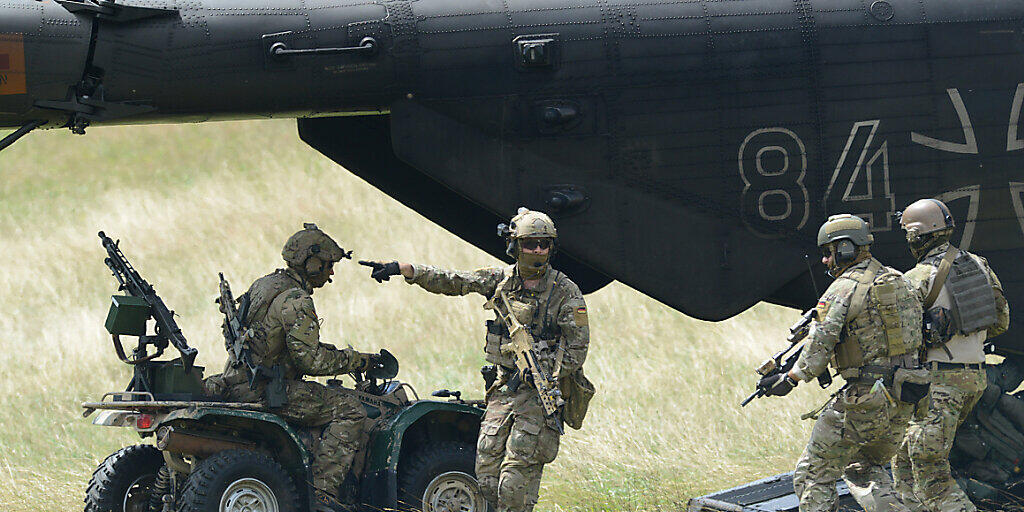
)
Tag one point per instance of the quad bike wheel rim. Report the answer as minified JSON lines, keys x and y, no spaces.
{"x":248,"y":495}
{"x":453,"y":491}
{"x":136,"y":497}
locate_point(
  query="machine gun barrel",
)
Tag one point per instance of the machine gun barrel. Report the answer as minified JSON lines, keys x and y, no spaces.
{"x":133,"y":283}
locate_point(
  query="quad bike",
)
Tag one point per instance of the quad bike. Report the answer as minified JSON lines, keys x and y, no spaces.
{"x":211,"y":455}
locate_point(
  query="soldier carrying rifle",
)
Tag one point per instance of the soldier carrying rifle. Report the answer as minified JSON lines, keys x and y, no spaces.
{"x":869,"y":328}
{"x":537,"y":342}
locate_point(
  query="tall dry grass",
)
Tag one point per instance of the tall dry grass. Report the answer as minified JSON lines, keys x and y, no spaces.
{"x":189,"y":201}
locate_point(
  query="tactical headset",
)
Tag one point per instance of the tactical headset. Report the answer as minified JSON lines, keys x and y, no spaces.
{"x":845,"y":251}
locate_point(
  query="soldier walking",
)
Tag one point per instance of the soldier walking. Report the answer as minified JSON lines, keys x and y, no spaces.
{"x":964,"y":305}
{"x":283,"y":340}
{"x":517,"y":438}
{"x":868,"y":325}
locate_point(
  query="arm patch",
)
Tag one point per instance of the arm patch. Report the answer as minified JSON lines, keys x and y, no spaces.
{"x":580,"y":316}
{"x":823,"y":306}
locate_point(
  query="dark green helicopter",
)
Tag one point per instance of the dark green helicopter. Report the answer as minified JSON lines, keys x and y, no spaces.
{"x":687,"y":148}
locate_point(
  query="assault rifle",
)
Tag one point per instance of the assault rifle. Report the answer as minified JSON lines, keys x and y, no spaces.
{"x":167,"y":330}
{"x":233,"y":327}
{"x":528,"y":364}
{"x":775,"y":364}
{"x":234,"y":331}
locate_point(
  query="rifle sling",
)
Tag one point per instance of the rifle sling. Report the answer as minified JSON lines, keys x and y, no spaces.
{"x":940,"y":277}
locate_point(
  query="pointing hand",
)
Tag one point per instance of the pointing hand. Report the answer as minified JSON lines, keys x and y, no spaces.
{"x":382,"y":271}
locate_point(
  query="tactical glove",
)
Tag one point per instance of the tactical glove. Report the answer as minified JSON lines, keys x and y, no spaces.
{"x":382,"y":271}
{"x":779,"y":384}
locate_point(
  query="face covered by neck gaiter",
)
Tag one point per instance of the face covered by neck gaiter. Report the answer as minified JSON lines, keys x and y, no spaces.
{"x":532,"y":266}
{"x":920,"y":245}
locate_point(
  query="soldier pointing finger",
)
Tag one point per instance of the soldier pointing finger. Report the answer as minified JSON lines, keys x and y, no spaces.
{"x":517,"y":435}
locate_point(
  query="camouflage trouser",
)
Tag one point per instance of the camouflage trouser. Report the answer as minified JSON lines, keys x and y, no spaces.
{"x":854,"y":437}
{"x":311,"y":404}
{"x":516,"y":440}
{"x":921,"y":467}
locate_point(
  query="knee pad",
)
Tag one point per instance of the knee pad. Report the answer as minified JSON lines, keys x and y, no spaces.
{"x":489,"y":488}
{"x":512,"y":490}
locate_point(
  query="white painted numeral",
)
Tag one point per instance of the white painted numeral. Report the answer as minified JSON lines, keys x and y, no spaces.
{"x":775,"y":195}
{"x":867,"y":192}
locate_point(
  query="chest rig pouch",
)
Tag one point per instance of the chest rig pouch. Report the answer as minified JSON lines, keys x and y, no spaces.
{"x":891,"y":299}
{"x":530,"y":308}
{"x":497,"y":331}
{"x":974,"y":302}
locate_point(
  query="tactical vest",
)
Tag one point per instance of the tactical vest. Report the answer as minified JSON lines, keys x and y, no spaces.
{"x":973,"y":300}
{"x":883,"y":309}
{"x":260,"y":295}
{"x":532,"y":309}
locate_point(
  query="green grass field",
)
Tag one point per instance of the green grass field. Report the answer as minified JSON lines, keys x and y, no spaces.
{"x":189,"y":201}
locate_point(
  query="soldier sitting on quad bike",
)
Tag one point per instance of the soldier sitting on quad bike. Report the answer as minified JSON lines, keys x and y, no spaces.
{"x":279,"y":343}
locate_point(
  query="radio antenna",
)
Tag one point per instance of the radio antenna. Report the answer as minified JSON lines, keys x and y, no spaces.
{"x":814,"y":282}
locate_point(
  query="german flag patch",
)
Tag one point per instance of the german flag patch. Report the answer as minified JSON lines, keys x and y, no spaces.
{"x":581,"y":316}
{"x":822,"y":307}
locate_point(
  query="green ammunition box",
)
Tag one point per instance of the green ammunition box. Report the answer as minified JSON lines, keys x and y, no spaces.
{"x":127,"y":315}
{"x":169,"y":378}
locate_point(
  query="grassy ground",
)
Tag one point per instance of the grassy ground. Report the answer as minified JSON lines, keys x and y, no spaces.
{"x":189,"y":201}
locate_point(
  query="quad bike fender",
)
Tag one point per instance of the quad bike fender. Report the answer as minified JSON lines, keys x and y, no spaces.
{"x":400,"y":435}
{"x":290,"y":447}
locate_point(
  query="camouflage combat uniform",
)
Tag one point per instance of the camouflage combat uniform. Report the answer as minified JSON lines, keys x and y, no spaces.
{"x":858,"y":432}
{"x":516,"y":437}
{"x":288,"y":335}
{"x":921,"y":467}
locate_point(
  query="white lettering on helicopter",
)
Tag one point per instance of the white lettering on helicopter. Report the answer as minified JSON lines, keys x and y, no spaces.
{"x":770,"y":192}
{"x":775,"y":193}
{"x":875,"y":196}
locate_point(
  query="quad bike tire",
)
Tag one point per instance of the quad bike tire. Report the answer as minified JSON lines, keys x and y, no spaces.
{"x":123,"y":481}
{"x":441,"y":477}
{"x":237,"y":481}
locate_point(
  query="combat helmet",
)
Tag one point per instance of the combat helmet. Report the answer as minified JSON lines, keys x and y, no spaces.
{"x":529,"y":224}
{"x":928,"y":224}
{"x":841,"y":235}
{"x":311,"y":251}
{"x":926,"y":216}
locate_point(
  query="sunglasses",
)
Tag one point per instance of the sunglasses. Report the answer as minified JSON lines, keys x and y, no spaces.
{"x":532,"y":244}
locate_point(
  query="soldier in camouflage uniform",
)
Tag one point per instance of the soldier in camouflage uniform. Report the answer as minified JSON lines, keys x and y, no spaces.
{"x":284,"y":336}
{"x":955,"y":359}
{"x":516,"y":437}
{"x":868,"y":327}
